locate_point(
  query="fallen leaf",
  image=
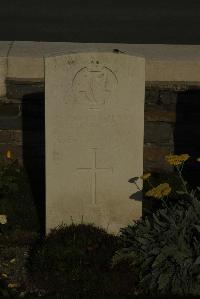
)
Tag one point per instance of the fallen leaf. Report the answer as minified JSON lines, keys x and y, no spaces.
{"x":12,"y":261}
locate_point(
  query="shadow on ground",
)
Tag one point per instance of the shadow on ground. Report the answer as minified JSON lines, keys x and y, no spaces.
{"x":33,"y":119}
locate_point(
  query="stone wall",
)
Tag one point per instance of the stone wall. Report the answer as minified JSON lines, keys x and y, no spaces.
{"x":22,"y":120}
{"x":172,"y":115}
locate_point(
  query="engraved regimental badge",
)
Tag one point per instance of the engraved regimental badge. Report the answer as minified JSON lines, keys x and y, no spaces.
{"x":93,"y":84}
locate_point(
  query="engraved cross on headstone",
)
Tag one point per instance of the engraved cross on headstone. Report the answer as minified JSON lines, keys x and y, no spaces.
{"x":93,"y":170}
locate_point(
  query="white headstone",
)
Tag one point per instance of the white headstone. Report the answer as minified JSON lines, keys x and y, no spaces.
{"x":94,"y":138}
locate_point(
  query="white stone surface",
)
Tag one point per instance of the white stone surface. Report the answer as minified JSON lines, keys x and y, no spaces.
{"x":163,"y":62}
{"x":94,"y":138}
{"x":3,"y":74}
{"x":26,"y":61}
{"x":4,"y":49}
{"x":173,"y":70}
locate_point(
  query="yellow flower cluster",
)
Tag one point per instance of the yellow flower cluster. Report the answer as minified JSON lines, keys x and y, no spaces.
{"x":12,"y":285}
{"x":145,"y":176}
{"x":3,"y":219}
{"x":176,"y":160}
{"x":8,"y":154}
{"x":12,"y":261}
{"x":159,"y":191}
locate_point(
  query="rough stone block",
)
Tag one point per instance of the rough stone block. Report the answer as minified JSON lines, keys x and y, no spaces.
{"x":11,"y":136}
{"x":154,"y":158}
{"x":19,"y":89}
{"x":168,"y":97}
{"x":158,"y":132}
{"x":10,"y":110}
{"x":151,"y":95}
{"x":160,"y":116}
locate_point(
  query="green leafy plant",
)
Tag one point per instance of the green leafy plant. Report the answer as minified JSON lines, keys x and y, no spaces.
{"x":4,"y":292}
{"x":16,"y":201}
{"x":165,"y":248}
{"x":76,"y":260}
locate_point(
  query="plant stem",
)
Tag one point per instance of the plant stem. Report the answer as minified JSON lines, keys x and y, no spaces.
{"x":137,"y":186}
{"x":182,"y":180}
{"x":150,"y":184}
{"x":184,"y":183}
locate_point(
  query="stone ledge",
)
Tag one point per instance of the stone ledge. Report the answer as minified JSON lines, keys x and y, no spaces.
{"x":5,"y":47}
{"x":163,"y":62}
{"x":170,"y":70}
{"x":25,"y":67}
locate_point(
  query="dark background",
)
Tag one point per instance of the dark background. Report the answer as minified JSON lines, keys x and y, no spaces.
{"x":157,"y":21}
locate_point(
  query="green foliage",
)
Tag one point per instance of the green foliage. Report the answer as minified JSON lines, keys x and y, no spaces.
{"x":77,"y":259}
{"x":16,"y":201}
{"x":165,"y":250}
{"x":4,"y":292}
